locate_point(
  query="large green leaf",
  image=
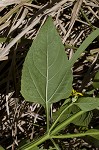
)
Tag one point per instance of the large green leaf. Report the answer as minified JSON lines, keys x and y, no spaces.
{"x":87,"y":103}
{"x":46,"y":77}
{"x":96,"y":80}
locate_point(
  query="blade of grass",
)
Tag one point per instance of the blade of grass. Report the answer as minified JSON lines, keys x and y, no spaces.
{"x":83,"y":46}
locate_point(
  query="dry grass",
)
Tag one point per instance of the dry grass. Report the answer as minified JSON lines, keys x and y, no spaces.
{"x":20,"y":22}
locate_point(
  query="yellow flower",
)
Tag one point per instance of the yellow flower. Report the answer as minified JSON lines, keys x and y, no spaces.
{"x":75,"y":93}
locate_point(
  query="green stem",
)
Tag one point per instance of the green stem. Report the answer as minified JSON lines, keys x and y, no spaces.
{"x":53,"y":125}
{"x":66,"y":122}
{"x":35,"y":143}
{"x":56,"y":146}
{"x":47,"y":116}
{"x":50,"y":136}
{"x":74,"y":135}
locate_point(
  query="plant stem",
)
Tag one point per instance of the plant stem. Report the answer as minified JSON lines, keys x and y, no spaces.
{"x":74,"y":135}
{"x":47,"y":116}
{"x":35,"y":143}
{"x":56,"y":146}
{"x":53,"y":125}
{"x":66,"y":122}
{"x":51,"y":135}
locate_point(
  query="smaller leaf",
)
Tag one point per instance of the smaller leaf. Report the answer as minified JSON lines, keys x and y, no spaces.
{"x":87,"y":103}
{"x":67,"y":114}
{"x":83,"y":120}
{"x":94,"y":131}
{"x":64,"y":116}
{"x":96,"y":80}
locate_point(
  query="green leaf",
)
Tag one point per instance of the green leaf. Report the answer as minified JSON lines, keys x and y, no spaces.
{"x":96,"y":80}
{"x":95,"y":133}
{"x":46,"y":75}
{"x":83,"y":120}
{"x":65,"y":115}
{"x":87,"y":103}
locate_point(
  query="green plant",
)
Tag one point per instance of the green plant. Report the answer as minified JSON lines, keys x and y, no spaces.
{"x":47,"y":78}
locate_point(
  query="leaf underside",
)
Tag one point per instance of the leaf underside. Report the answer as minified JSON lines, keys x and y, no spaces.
{"x":83,"y":120}
{"x":46,"y":75}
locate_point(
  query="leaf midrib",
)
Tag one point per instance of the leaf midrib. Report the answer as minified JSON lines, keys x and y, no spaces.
{"x":47,"y":68}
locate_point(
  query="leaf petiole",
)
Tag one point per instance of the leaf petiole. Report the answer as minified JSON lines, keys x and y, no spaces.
{"x":66,"y":122}
{"x":53,"y":125}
